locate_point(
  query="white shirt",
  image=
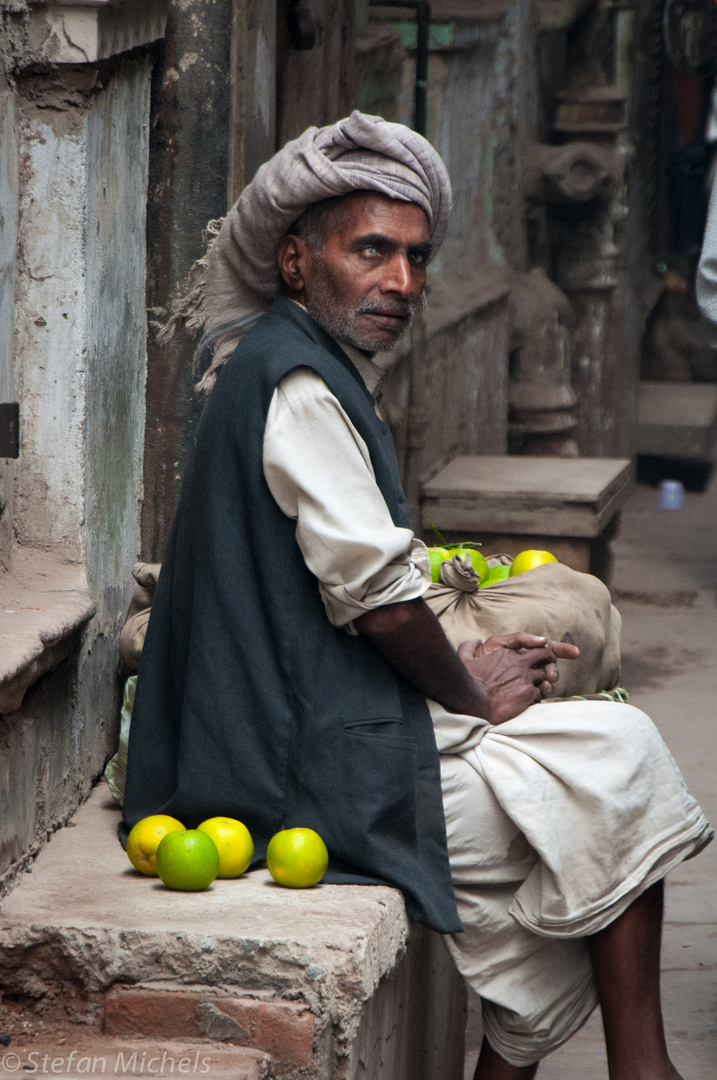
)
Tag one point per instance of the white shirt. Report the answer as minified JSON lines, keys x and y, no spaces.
{"x":319,"y":471}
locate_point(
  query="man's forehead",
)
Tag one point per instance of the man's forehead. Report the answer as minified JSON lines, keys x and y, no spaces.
{"x":367,"y":212}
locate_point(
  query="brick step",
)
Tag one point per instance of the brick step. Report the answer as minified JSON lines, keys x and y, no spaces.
{"x":284,"y":1029}
{"x":92,"y":1055}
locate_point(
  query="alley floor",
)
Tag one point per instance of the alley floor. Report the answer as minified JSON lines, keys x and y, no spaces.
{"x":665,"y":586}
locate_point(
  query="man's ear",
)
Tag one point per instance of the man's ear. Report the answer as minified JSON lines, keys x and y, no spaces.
{"x":293,"y":257}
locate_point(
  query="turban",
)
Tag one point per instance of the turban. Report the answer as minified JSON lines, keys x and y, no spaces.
{"x":239,"y":277}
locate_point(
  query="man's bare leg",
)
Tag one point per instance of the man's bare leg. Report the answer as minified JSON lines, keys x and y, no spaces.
{"x":491,"y":1066}
{"x":626,"y":965}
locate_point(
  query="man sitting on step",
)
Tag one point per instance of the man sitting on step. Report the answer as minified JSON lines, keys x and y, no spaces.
{"x":293,"y":675}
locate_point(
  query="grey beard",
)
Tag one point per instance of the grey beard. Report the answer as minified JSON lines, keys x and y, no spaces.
{"x":339,"y":320}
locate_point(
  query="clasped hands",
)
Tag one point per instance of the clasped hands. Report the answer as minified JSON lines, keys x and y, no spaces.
{"x":514,"y":671}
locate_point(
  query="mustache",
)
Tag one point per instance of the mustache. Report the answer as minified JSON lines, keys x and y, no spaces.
{"x":400,"y":309}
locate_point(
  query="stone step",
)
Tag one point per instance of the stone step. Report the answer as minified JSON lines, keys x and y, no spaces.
{"x":318,"y":980}
{"x":84,"y":1055}
{"x":284,"y":1029}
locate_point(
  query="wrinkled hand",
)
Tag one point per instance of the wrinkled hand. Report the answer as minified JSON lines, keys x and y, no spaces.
{"x":514,"y":670}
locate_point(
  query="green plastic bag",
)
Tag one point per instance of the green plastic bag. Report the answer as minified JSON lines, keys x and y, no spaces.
{"x":116,"y":769}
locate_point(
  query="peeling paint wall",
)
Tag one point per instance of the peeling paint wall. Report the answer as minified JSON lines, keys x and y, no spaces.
{"x":8,"y":247}
{"x":51,"y":332}
{"x":117,"y":131}
{"x":77,"y":156}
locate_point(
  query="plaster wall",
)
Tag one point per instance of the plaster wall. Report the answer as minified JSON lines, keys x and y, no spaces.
{"x":79,"y":360}
{"x":117,"y":132}
{"x":51,"y":334}
{"x":8,"y":247}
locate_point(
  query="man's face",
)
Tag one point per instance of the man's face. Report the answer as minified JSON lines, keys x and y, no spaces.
{"x":363,"y":287}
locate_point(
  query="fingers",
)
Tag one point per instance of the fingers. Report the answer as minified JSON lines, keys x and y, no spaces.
{"x":518,"y":641}
{"x":468,"y":649}
{"x":563,"y":651}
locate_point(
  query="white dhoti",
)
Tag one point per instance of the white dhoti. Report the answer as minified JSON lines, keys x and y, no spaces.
{"x":556,"y":820}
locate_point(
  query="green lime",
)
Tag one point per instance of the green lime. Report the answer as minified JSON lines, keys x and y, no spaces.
{"x":437,"y":556}
{"x":494,"y":575}
{"x":188,"y":861}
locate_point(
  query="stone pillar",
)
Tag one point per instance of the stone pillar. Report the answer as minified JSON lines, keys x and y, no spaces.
{"x":189,"y":155}
{"x":591,"y":270}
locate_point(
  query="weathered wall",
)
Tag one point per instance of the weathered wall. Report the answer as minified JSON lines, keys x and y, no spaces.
{"x":45,"y":745}
{"x":78,"y":151}
{"x":79,"y":344}
{"x":8,"y":246}
{"x":51,"y":332}
{"x":315,"y":85}
{"x":414,"y":1025}
{"x":117,"y":130}
{"x":482,"y":110}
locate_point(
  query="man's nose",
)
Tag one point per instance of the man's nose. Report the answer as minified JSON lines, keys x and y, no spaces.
{"x":398,"y":277}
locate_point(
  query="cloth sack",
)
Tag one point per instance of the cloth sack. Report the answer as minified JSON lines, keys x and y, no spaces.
{"x":116,"y":768}
{"x":131,"y":643}
{"x":552,"y":600}
{"x":131,"y":639}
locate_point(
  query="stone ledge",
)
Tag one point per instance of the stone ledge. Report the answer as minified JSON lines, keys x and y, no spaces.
{"x":72,"y":32}
{"x":42,"y":609}
{"x":327,"y":948}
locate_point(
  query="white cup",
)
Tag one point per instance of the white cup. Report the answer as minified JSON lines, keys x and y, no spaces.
{"x":672,"y":494}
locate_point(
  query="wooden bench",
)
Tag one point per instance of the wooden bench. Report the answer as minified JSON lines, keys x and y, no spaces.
{"x":568,"y":506}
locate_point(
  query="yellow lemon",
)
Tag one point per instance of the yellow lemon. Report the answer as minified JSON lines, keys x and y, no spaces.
{"x":144,"y":839}
{"x":528,"y":560}
{"x":297,"y":858}
{"x":188,"y":861}
{"x":234,"y":844}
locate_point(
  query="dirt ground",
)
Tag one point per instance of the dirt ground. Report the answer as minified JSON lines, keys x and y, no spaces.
{"x":665,"y":585}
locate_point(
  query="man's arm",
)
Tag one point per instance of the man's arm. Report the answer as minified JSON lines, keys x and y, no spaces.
{"x":496,"y":680}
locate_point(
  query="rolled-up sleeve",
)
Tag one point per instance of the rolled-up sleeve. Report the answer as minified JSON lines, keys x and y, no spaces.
{"x":319,"y":471}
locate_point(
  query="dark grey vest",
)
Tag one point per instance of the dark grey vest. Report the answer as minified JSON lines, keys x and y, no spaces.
{"x":250,"y":703}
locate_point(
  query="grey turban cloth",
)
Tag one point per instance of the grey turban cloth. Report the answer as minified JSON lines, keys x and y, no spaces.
{"x":238,"y":279}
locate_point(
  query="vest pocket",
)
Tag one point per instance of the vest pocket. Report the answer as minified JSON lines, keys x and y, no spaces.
{"x":380,"y":774}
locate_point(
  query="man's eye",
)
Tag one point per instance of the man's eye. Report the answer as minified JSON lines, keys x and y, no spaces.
{"x":371,"y":250}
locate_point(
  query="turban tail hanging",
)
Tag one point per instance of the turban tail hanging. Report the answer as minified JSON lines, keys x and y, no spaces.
{"x":238,"y":277}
